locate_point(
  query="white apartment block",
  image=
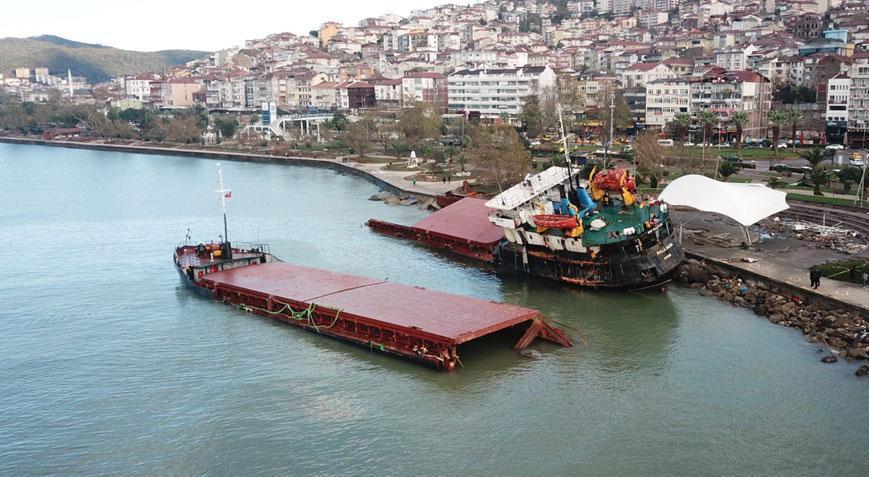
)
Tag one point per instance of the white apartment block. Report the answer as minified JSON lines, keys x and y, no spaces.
{"x":665,"y":98}
{"x":838,"y":93}
{"x":497,"y":91}
{"x":858,"y":107}
{"x":138,"y":87}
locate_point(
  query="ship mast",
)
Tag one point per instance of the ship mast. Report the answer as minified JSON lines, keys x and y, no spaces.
{"x":566,"y":152}
{"x":223,"y":191}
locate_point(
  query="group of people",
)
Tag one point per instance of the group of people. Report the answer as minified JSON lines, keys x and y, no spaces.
{"x":815,"y":276}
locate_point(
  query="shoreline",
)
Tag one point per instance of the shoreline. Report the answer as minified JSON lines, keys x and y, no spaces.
{"x":712,"y":277}
{"x":386,"y":183}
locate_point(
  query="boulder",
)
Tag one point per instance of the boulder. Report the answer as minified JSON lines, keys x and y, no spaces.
{"x":862,"y":371}
{"x":829,"y":359}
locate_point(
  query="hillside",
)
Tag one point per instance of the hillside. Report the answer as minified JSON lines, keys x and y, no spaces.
{"x":96,"y":62}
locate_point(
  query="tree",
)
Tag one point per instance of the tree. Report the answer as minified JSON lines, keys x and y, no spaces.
{"x":818,"y":174}
{"x":739,"y":119}
{"x":227,"y":126}
{"x":707,"y":119}
{"x":778,"y":119}
{"x":419,"y":124}
{"x":794,"y":117}
{"x":532,"y":117}
{"x":679,"y":126}
{"x":649,"y":156}
{"x":183,"y":129}
{"x":498,"y":155}
{"x":849,"y":175}
{"x":338,"y":122}
{"x":358,"y":135}
{"x":727,"y":169}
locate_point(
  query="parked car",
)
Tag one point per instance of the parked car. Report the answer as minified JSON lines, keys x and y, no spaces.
{"x":789,"y":168}
{"x":856,"y":163}
{"x":732,"y":158}
{"x":834,"y":147}
{"x":782,"y":145}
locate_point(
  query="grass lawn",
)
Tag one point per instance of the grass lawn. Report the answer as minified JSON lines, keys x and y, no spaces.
{"x":825,"y":200}
{"x":756,"y":153}
{"x":841,"y":270}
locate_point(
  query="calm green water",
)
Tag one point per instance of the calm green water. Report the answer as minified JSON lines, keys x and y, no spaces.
{"x":108,"y":366}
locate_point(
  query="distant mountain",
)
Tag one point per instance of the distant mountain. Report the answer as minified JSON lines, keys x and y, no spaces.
{"x":95,"y":62}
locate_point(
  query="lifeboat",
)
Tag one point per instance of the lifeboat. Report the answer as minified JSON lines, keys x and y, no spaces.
{"x":555,"y":221}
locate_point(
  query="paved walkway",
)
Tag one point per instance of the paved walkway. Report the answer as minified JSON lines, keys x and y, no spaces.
{"x":790,"y":272}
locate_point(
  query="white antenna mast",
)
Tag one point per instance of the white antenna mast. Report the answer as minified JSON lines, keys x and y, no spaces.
{"x":224,"y":193}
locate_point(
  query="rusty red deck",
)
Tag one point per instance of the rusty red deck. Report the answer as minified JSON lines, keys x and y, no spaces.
{"x":415,"y":322}
{"x":461,"y":228}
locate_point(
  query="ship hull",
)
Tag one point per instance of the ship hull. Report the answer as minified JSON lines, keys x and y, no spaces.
{"x":651,"y":266}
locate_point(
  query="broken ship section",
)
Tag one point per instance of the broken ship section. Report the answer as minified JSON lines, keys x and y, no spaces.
{"x":423,"y":325}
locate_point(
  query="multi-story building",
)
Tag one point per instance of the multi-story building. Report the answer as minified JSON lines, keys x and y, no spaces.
{"x":638,"y":74}
{"x":355,"y":94}
{"x":174,"y":93}
{"x":497,"y":91}
{"x":838,"y":97}
{"x":425,"y":86}
{"x":858,"y":104}
{"x":725,"y":92}
{"x":138,"y":87}
{"x":665,"y":98}
{"x":387,"y":91}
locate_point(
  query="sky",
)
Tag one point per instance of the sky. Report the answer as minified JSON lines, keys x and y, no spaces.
{"x":184,"y":24}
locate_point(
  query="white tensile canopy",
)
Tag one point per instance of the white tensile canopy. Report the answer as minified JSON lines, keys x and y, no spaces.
{"x":744,"y":203}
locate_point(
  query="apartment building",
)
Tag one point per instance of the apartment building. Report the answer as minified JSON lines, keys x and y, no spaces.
{"x":725,"y":92}
{"x":858,"y":104}
{"x":494,"y":92}
{"x":425,"y":86}
{"x":665,"y":98}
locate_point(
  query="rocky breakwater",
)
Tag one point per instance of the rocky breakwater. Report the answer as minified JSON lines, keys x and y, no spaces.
{"x":846,"y":332}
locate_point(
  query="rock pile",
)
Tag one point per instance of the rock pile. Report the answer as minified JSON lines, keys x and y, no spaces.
{"x":402,"y":199}
{"x":846,"y":332}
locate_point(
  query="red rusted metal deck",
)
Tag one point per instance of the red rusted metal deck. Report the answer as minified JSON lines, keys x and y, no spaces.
{"x":414,"y":322}
{"x":461,"y":228}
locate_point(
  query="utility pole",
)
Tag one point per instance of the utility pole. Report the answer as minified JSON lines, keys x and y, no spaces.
{"x":606,"y":146}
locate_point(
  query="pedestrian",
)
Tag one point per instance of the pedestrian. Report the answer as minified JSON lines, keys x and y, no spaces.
{"x":449,"y":179}
{"x":444,"y":178}
{"x":865,"y":278}
{"x":815,"y":277}
{"x":414,"y":181}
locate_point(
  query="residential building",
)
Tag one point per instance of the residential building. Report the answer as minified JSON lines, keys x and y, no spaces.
{"x":638,"y":74}
{"x":665,"y":98}
{"x":725,"y":92}
{"x":355,"y":94}
{"x":425,"y":86}
{"x":858,"y":101}
{"x":494,"y":92}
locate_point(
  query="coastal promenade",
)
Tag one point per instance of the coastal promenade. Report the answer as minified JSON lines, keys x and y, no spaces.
{"x":395,"y":181}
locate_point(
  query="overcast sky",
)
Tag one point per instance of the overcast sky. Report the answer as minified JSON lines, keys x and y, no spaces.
{"x":184,"y":24}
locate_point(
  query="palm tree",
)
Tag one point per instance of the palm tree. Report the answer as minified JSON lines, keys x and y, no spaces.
{"x":794,"y":117}
{"x":680,"y":123}
{"x":778,"y":119}
{"x":818,"y":175}
{"x":739,"y":119}
{"x":707,"y":119}
{"x":727,"y":169}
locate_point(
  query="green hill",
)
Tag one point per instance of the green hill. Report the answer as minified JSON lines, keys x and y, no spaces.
{"x":95,"y":62}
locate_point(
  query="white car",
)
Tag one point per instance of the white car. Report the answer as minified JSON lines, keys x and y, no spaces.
{"x":856,"y":163}
{"x":689,"y":143}
{"x":834,"y":147}
{"x":782,"y":146}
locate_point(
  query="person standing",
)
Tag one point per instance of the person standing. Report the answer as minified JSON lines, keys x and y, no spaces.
{"x":815,"y":277}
